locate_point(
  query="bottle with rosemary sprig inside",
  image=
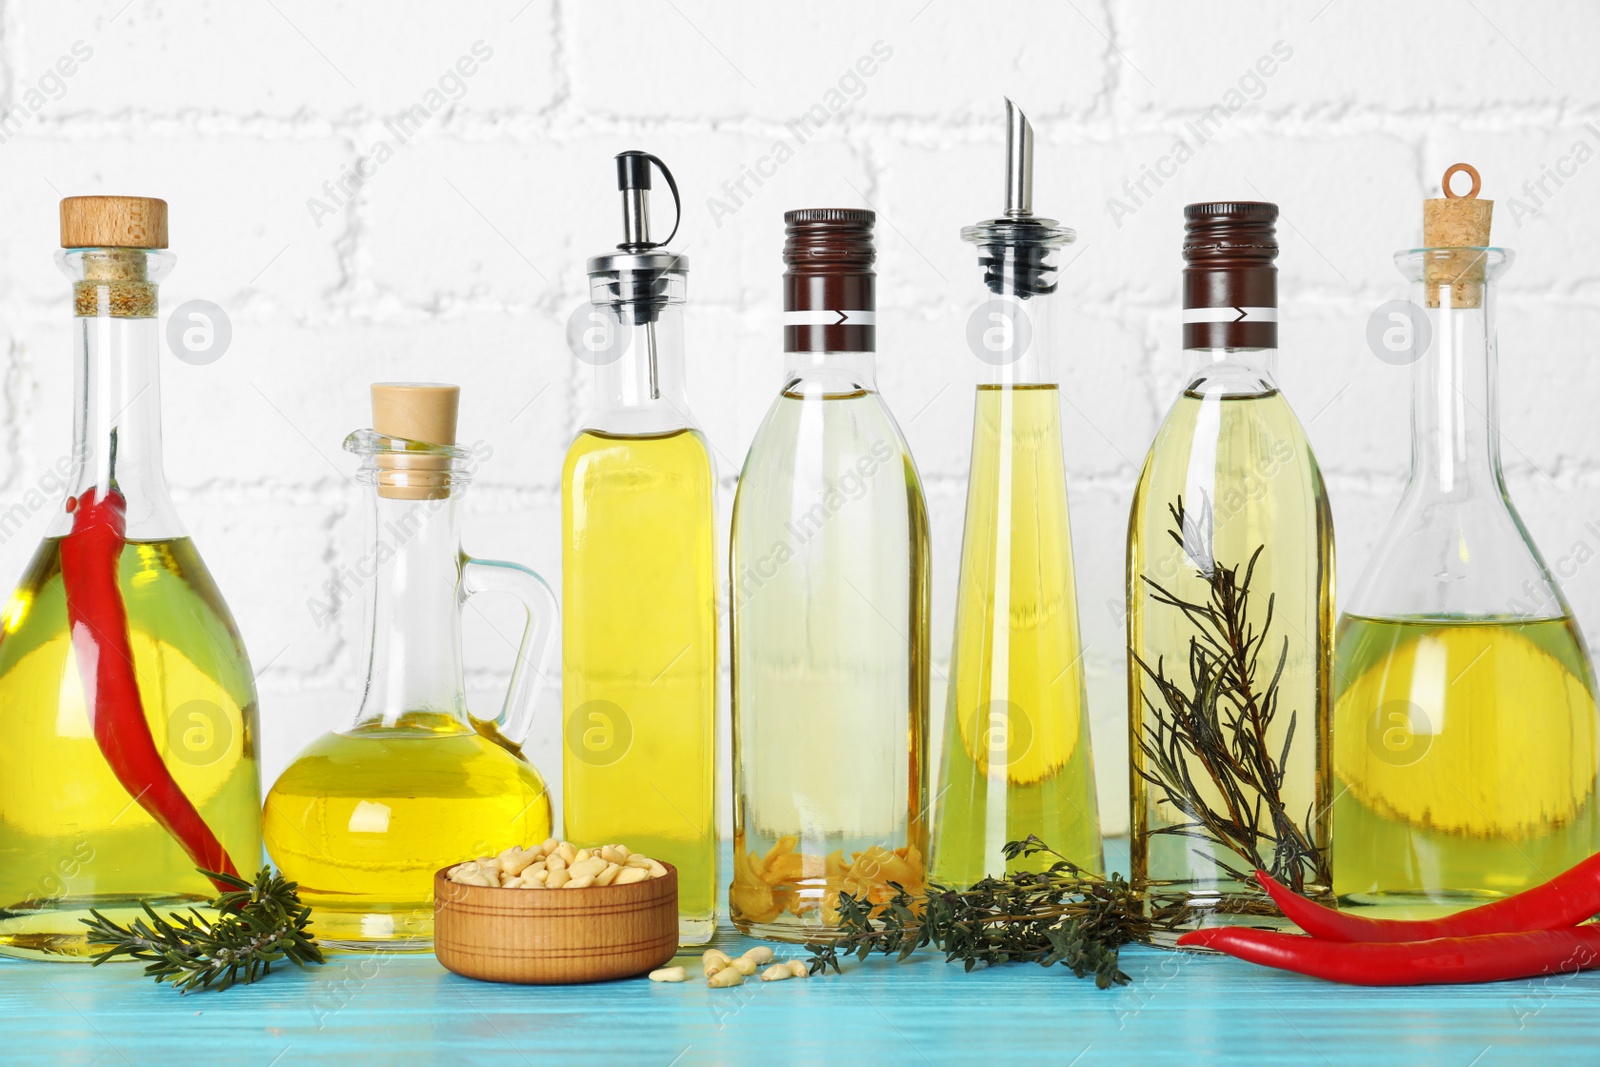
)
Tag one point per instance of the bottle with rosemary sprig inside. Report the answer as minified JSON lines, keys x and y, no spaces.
{"x":1230,"y":605}
{"x":1466,"y":740}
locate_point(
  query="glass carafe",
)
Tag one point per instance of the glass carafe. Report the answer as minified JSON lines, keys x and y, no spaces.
{"x":1465,"y":729}
{"x":366,"y":814}
{"x":1230,"y":603}
{"x":829,"y":595}
{"x":638,"y":571}
{"x":1016,"y":758}
{"x":128,"y":702}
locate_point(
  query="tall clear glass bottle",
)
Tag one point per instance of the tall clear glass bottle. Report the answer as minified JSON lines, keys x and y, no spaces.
{"x":1466,"y":737}
{"x":128,"y":702}
{"x":638,"y":566}
{"x":1016,"y":755}
{"x":367,"y":813}
{"x":1230,"y":601}
{"x":829,"y":599}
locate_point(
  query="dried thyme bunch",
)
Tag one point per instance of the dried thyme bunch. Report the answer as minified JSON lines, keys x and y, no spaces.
{"x":258,"y":925}
{"x":1062,"y":915}
{"x":1207,"y":733}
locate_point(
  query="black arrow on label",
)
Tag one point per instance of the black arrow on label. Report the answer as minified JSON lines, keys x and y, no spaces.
{"x":1242,"y":314}
{"x":843,"y":318}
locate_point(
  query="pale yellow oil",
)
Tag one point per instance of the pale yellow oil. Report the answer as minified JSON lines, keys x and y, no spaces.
{"x":829,"y":568}
{"x":639,"y":656}
{"x":363,"y":818}
{"x":71,"y":837}
{"x":1246,"y":459}
{"x":1465,"y":755}
{"x":1016,"y":751}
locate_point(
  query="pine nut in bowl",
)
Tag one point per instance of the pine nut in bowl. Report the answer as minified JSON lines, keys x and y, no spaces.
{"x":563,"y":917}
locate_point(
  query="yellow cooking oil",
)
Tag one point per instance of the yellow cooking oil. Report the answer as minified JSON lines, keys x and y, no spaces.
{"x":1465,"y":755}
{"x":639,"y":655}
{"x":71,"y":837}
{"x":1016,"y":752}
{"x":364,"y":817}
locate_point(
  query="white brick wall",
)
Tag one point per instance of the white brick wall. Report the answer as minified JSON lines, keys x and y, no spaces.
{"x":463,"y":253}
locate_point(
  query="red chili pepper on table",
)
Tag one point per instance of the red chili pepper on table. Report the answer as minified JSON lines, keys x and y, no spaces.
{"x":90,"y":555}
{"x":1566,"y":900}
{"x":1446,"y":960}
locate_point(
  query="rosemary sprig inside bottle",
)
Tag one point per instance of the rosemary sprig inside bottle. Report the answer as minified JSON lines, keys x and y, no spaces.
{"x":258,"y":924}
{"x":1205,"y":739}
{"x":1062,"y":915}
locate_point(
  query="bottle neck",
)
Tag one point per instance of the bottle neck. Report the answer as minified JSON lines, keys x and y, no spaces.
{"x":117,"y":409}
{"x":1225,"y":372}
{"x":641,"y":389}
{"x":1015,"y":340}
{"x":1455,"y":438}
{"x":822,"y":374}
{"x":413,"y":619}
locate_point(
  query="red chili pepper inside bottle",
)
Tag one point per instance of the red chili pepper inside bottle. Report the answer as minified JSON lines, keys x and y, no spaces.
{"x":127,"y":701}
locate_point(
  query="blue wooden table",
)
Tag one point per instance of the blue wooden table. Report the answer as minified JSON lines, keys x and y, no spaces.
{"x":406,"y":1009}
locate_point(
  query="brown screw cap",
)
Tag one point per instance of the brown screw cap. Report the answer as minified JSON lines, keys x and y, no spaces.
{"x":829,"y":301}
{"x":113,"y":222}
{"x":1230,"y":285}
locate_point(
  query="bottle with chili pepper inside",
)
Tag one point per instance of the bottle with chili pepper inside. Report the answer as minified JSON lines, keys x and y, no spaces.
{"x":127,"y":702}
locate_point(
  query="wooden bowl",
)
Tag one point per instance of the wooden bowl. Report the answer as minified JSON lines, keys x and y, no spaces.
{"x":555,"y":936}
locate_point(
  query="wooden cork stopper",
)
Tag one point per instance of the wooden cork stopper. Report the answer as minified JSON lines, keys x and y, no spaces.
{"x":420,"y":412}
{"x":113,"y":222}
{"x":115,"y":232}
{"x":1457,"y":227}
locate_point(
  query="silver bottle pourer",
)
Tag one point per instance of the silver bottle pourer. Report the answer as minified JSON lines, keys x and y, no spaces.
{"x":1019,"y":162}
{"x":1017,"y":250}
{"x":636,"y":275}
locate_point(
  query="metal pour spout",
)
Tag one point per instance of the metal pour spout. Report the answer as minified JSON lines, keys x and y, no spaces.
{"x":1019,"y":163}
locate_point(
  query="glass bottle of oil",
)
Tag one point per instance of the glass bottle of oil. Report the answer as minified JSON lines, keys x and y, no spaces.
{"x":638,"y":572}
{"x":1016,"y":755}
{"x":1230,"y":605}
{"x":1465,"y":729}
{"x":366,"y":814}
{"x":829,"y":599}
{"x":128,"y":703}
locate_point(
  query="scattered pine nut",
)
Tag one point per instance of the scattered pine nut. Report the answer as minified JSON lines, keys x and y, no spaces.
{"x":668,"y":974}
{"x":759,"y":954}
{"x":778,"y":972}
{"x":798,"y":969}
{"x":713,"y":961}
{"x":727,"y":976}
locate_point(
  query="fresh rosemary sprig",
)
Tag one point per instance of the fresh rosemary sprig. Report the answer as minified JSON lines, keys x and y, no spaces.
{"x":257,"y":925}
{"x":1062,"y":915}
{"x":1207,"y":735}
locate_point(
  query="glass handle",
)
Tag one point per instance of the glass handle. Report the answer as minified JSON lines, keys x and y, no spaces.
{"x":533,"y":656}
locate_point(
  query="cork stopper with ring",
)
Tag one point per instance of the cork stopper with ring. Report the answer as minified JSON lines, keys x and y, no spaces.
{"x":1455,"y":241}
{"x":423,"y":579}
{"x":119,"y":244}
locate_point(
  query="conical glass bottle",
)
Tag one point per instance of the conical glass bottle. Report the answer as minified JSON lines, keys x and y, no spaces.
{"x":638,"y":571}
{"x":1466,"y":739}
{"x":1016,"y":757}
{"x":128,"y":701}
{"x":1230,"y":601}
{"x":366,"y":814}
{"x":829,"y":600}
